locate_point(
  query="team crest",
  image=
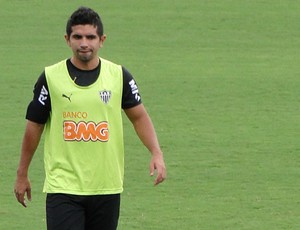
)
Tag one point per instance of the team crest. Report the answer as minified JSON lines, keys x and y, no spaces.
{"x":105,"y":96}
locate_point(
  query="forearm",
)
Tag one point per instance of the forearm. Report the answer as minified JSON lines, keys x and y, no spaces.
{"x":31,"y":140}
{"x":144,"y":128}
{"x":146,"y":132}
{"x":30,"y":143}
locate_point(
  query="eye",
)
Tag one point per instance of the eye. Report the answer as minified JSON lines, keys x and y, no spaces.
{"x":77,"y":36}
{"x":91,"y":37}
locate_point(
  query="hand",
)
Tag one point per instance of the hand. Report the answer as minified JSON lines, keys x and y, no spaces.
{"x":22,"y":187}
{"x":157,"y":164}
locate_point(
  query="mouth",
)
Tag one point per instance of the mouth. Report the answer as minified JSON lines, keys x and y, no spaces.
{"x":84,"y":55}
{"x":84,"y":51}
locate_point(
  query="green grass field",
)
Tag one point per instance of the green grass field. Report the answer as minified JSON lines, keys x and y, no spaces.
{"x":220,"y":80}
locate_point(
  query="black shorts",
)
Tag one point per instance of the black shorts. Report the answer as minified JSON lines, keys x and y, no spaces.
{"x":75,"y":212}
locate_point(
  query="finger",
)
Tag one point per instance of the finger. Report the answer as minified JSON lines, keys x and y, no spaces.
{"x":24,"y":203}
{"x":158,"y":180}
{"x":161,"y":176}
{"x":29,"y":194}
{"x":21,"y":199}
{"x":152,"y":169}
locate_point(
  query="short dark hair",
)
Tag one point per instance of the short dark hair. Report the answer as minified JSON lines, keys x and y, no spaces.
{"x":84,"y":16}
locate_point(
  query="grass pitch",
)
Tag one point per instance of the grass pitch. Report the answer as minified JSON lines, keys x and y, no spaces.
{"x":221,"y":82}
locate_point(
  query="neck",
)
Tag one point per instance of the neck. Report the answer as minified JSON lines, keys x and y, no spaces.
{"x":88,"y":65}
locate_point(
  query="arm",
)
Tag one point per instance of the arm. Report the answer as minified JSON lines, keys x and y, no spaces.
{"x":145,"y":130}
{"x":31,"y":140}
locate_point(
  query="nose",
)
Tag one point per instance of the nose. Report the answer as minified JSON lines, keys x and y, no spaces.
{"x":83,"y":43}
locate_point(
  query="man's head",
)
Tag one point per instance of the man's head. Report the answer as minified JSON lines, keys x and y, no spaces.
{"x":84,"y":16}
{"x":84,"y":34}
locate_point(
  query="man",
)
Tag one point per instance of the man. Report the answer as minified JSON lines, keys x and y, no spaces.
{"x":79,"y":101}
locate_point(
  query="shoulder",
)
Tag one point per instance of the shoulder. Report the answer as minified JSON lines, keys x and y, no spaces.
{"x":111,"y":68}
{"x":62,"y":62}
{"x":126,"y":73}
{"x":41,"y":81}
{"x":131,"y":96}
{"x":56,"y":67}
{"x":128,"y":80}
{"x":109,"y":63}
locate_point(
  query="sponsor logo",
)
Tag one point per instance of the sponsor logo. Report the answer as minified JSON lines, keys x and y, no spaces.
{"x":86,"y":131}
{"x":68,"y":97}
{"x":43,"y":95}
{"x":105,"y":96}
{"x":72,"y":115}
{"x":134,"y":90}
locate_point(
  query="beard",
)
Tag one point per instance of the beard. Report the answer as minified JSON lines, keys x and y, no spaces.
{"x":85,"y":56}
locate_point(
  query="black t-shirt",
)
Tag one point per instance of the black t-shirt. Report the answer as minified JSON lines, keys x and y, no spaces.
{"x":39,"y":110}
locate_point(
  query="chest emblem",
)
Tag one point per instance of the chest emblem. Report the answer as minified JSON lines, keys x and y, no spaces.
{"x":105,"y":96}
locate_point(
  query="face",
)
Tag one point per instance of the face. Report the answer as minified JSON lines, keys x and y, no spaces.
{"x":85,"y":44}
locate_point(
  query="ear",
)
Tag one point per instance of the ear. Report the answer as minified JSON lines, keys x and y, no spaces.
{"x":67,"y":39}
{"x":102,"y":39}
